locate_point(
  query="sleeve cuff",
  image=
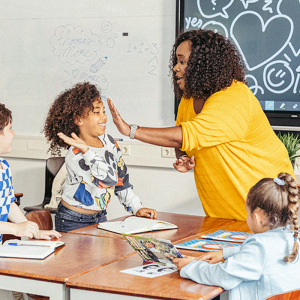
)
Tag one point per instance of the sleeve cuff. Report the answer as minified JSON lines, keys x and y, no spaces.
{"x":89,"y":155}
{"x":230,"y":251}
{"x":136,"y":206}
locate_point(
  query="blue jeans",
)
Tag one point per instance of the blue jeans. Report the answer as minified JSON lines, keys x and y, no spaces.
{"x":67,"y":219}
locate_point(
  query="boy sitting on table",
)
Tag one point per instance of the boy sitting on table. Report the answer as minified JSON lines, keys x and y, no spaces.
{"x":19,"y":225}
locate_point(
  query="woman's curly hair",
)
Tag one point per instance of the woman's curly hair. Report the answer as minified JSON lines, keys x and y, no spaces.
{"x":213,"y":64}
{"x":70,"y":104}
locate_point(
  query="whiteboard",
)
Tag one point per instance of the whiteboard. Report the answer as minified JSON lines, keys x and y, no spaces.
{"x":122,"y":46}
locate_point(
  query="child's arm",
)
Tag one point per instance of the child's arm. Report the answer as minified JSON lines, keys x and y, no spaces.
{"x":246,"y":265}
{"x":182,"y":262}
{"x":20,"y":226}
{"x":90,"y":167}
{"x":212,"y":257}
{"x":124,"y":191}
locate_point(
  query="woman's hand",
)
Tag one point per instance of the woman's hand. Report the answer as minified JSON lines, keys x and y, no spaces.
{"x":47,"y":234}
{"x":184,"y":164}
{"x":122,"y":126}
{"x":212,"y":257}
{"x":181,"y":262}
{"x":74,"y":141}
{"x":147,"y":212}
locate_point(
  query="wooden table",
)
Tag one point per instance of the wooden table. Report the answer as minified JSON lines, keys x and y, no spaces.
{"x":188,"y":225}
{"x":88,"y":266}
{"x":107,"y":281}
{"x":82,"y":253}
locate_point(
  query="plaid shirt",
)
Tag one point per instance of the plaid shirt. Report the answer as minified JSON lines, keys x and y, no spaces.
{"x":6,"y":191}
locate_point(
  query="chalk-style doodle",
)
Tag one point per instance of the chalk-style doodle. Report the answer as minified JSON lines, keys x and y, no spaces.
{"x":106,"y":27}
{"x":246,"y":2}
{"x":214,"y":8}
{"x":291,"y":8}
{"x":110,"y":43}
{"x":195,"y":22}
{"x":261,"y":30}
{"x":75,"y":45}
{"x":98,"y":64}
{"x":297,"y":80}
{"x":266,"y":6}
{"x":278,"y":76}
{"x":255,"y":87}
{"x":216,"y":27}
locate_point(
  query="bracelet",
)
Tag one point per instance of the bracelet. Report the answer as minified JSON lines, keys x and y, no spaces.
{"x":182,"y":156}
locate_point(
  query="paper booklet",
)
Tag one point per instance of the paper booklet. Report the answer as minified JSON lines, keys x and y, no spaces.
{"x":205,"y":245}
{"x":28,"y":248}
{"x":229,"y":236}
{"x":134,"y":225}
{"x":153,"y":250}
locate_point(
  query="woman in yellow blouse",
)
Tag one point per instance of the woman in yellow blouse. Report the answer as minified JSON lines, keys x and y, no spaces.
{"x":221,"y":130}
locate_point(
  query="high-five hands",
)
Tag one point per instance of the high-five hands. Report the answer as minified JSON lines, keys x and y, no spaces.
{"x":122,"y":126}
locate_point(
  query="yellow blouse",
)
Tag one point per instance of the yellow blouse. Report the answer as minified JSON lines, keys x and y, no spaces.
{"x":234,"y":147}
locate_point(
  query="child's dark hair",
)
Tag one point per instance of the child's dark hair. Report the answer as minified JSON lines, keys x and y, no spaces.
{"x":68,"y":106}
{"x":213,"y":64}
{"x":5,"y":117}
{"x":280,"y":203}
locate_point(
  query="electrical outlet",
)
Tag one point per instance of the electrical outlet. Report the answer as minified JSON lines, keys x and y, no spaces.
{"x":125,"y":149}
{"x":167,"y":152}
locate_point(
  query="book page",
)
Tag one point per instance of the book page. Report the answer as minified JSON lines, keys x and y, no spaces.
{"x":25,"y":251}
{"x":133,"y":225}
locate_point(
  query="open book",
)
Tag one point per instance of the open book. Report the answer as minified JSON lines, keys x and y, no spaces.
{"x":153,"y":250}
{"x":134,"y":225}
{"x":228,"y":236}
{"x":28,"y":248}
{"x":205,"y":245}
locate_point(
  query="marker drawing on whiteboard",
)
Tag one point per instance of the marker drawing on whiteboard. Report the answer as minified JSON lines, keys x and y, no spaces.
{"x":98,"y":64}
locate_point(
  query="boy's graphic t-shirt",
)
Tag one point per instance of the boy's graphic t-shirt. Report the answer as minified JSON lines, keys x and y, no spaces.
{"x":7,"y":195}
{"x":93,"y":177}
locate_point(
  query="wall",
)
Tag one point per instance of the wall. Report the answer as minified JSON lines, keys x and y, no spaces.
{"x":132,"y":69}
{"x":153,"y":177}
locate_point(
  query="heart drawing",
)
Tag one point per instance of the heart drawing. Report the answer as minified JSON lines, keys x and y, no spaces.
{"x":260,"y":42}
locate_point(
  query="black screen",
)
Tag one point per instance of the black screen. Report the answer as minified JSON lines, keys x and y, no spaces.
{"x":267,"y":34}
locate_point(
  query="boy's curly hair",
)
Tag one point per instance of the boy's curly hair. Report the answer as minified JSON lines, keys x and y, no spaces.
{"x":213,"y":64}
{"x":5,"y":117}
{"x":72,"y":103}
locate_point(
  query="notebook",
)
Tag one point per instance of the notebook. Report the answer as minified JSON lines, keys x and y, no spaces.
{"x":133,"y":225}
{"x":205,"y":245}
{"x":28,"y":249}
{"x":228,"y":236}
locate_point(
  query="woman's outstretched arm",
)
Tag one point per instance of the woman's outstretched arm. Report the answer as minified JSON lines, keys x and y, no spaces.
{"x":165,"y":137}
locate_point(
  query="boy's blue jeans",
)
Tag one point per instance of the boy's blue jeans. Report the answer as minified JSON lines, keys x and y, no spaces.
{"x":67,"y":219}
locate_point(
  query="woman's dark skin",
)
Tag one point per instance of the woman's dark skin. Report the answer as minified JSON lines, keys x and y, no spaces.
{"x":170,"y":136}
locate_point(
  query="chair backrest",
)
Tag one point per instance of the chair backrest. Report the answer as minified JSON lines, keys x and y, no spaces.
{"x":53,"y":165}
{"x":42,"y":217}
{"x":293,"y":295}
